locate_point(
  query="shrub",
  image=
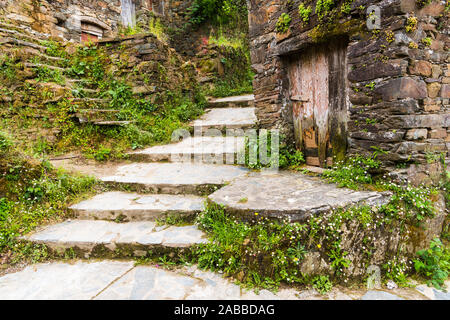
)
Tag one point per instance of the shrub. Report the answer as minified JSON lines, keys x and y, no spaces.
{"x":434,"y":263}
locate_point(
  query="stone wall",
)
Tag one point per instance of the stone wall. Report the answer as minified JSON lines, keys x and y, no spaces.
{"x":151,"y":67}
{"x":63,"y":18}
{"x":397,"y":80}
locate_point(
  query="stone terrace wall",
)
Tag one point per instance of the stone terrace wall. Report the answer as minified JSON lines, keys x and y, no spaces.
{"x":398,"y":87}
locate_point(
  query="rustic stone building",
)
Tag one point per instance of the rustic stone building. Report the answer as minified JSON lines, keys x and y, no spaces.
{"x":341,"y":77}
{"x":77,"y":19}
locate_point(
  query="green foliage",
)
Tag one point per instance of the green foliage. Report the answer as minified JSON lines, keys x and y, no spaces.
{"x":261,"y":254}
{"x":423,"y":3}
{"x":323,"y":7}
{"x":353,"y":172}
{"x":397,"y":271}
{"x":288,"y":156}
{"x":283,"y":23}
{"x":8,"y":68}
{"x":5,"y":143}
{"x":411,"y":24}
{"x":218,"y":12}
{"x":322,"y":284}
{"x":434,"y":264}
{"x":426,"y":41}
{"x":33,"y":193}
{"x":304,"y":12}
{"x":45,"y":74}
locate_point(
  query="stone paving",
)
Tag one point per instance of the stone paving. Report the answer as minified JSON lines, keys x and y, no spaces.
{"x":113,"y":280}
{"x":288,"y":195}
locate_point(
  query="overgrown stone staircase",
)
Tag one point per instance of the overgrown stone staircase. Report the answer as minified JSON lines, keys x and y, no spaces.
{"x":33,"y":47}
{"x":175,"y":179}
{"x":122,"y":224}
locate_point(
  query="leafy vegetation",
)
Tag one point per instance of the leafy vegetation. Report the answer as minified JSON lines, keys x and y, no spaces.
{"x":286,"y":157}
{"x":304,"y":12}
{"x":219,"y":12}
{"x":283,"y":23}
{"x":32,"y":193}
{"x":434,"y":263}
{"x":352,"y":172}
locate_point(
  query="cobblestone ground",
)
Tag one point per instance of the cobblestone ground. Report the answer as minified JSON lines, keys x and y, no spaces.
{"x":122,"y":280}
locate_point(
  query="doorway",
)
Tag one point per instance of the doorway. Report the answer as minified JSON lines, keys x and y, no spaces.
{"x":318,"y":93}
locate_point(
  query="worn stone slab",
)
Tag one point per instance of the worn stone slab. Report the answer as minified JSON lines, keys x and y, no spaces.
{"x":288,"y":195}
{"x":175,"y":178}
{"x":236,"y":101}
{"x":135,"y":207}
{"x":226,"y":118}
{"x":433,"y":293}
{"x":201,"y":149}
{"x":61,"y":281}
{"x":86,"y":235}
{"x":380,"y":295}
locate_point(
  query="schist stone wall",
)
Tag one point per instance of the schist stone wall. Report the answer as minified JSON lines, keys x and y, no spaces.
{"x":395,"y":89}
{"x":69,"y":19}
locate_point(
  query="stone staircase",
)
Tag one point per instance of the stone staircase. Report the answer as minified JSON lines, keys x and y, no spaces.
{"x":176,"y":179}
{"x":33,"y":47}
{"x":124,"y":224}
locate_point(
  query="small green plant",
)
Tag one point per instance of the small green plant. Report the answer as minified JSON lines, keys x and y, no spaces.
{"x":411,"y":24}
{"x":397,"y":272}
{"x":304,"y":12}
{"x":322,"y":284}
{"x":5,"y":142}
{"x":423,"y":3}
{"x":427,"y":41}
{"x":323,"y":7}
{"x":353,"y":172}
{"x":283,"y":23}
{"x":434,"y":263}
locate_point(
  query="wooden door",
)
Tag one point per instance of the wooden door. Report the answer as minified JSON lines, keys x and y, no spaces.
{"x":309,"y":93}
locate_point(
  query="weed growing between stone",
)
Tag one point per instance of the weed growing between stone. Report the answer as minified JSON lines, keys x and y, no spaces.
{"x":288,"y":156}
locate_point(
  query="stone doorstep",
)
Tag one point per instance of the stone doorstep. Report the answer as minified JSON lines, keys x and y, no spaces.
{"x":288,"y":195}
{"x":88,"y":236}
{"x":134,"y":207}
{"x":205,"y":149}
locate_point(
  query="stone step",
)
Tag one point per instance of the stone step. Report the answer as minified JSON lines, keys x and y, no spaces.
{"x":22,"y":43}
{"x":126,"y":207}
{"x":203,"y":149}
{"x":90,"y":239}
{"x":24,"y":30}
{"x":236,"y":101}
{"x":289,"y":195}
{"x":226,"y":118}
{"x":174,"y":178}
{"x":97,"y":115}
{"x":20,"y":35}
{"x":41,"y":65}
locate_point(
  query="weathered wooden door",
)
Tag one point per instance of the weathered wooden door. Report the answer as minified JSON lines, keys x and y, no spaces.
{"x":309,"y":96}
{"x":317,"y":107}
